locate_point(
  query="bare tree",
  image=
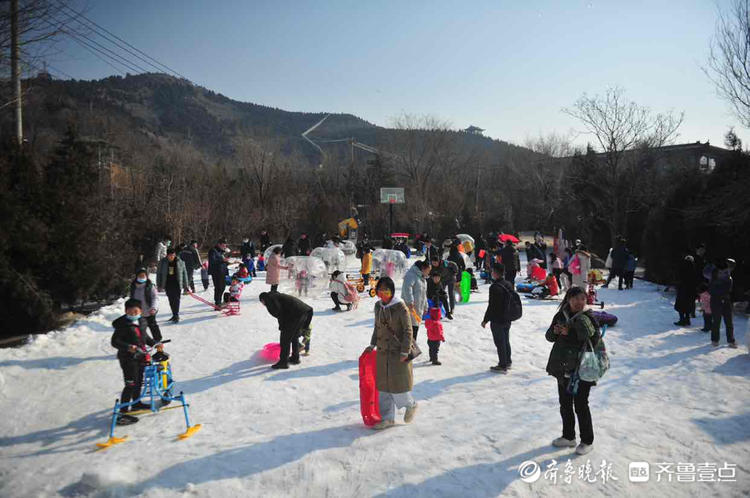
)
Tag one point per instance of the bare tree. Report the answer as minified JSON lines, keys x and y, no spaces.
{"x":423,"y":150}
{"x":620,"y":129}
{"x":41,"y":24}
{"x":729,"y":59}
{"x":544,"y":174}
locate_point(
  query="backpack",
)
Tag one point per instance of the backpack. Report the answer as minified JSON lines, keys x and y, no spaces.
{"x":514,"y":311}
{"x":515,"y":308}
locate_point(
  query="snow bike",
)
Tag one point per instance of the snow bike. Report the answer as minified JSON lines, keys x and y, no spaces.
{"x":359,"y":282}
{"x":157,"y":383}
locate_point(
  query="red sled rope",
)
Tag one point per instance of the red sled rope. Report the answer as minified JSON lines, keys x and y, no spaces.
{"x":191,"y":294}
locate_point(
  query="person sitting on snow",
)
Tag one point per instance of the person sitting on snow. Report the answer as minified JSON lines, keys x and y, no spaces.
{"x":130,"y":338}
{"x":534,"y":272}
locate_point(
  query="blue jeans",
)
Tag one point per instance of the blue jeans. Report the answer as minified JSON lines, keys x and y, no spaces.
{"x":501,"y":336}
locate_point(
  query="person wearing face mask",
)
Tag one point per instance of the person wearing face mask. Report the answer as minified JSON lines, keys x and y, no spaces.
{"x":414,"y":293}
{"x":171,"y":276}
{"x":247,"y":253}
{"x":144,"y":290}
{"x":572,"y":326}
{"x":392,"y":338}
{"x":130,"y":338}
{"x":217,"y":268}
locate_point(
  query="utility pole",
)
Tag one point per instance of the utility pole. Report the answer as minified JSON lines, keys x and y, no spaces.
{"x":16,"y":68}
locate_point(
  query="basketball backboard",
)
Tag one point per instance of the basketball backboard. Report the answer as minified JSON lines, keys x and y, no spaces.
{"x":392,"y":196}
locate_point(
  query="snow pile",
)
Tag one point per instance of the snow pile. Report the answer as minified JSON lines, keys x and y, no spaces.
{"x":669,"y":398}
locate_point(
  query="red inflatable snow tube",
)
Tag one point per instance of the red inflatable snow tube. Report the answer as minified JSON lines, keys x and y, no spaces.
{"x":369,"y":403}
{"x":271,"y":351}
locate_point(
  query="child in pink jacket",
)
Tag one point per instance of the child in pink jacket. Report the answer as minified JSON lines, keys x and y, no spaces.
{"x":705,"y":299}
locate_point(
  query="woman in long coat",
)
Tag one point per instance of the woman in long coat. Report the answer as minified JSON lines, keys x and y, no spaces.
{"x":273,"y":269}
{"x":581,"y":271}
{"x":687,"y":283}
{"x":392,"y":338}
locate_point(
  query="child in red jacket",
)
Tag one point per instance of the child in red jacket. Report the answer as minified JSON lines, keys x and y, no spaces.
{"x":434,"y":334}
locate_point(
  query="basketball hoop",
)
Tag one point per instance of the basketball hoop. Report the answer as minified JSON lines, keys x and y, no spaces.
{"x":392,"y":196}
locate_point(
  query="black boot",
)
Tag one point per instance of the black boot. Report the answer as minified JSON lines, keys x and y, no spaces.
{"x":125,"y":419}
{"x":280,"y":365}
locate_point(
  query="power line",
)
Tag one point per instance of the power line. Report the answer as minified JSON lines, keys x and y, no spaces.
{"x":59,"y":71}
{"x":99,"y":29}
{"x":95,"y":52}
{"x":46,"y":67}
{"x":113,"y":55}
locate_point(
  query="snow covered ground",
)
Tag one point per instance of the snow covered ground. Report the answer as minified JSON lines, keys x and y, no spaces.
{"x":669,"y":398}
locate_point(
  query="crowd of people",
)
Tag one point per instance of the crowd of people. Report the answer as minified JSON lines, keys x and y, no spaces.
{"x":709,"y":281}
{"x":428,"y":292}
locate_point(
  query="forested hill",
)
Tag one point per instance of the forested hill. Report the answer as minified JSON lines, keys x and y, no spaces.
{"x":156,"y":107}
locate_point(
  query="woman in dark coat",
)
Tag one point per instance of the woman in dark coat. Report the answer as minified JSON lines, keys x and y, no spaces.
{"x":687,"y":283}
{"x":571,"y":328}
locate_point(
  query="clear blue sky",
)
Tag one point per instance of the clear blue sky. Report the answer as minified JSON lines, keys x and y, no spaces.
{"x":506,"y":66}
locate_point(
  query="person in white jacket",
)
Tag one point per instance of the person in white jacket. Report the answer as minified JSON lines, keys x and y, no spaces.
{"x":339,"y":292}
{"x":161,"y":248}
{"x":414,"y":293}
{"x":581,"y":270}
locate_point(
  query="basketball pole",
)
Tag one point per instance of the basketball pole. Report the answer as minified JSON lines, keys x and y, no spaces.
{"x":390,"y":220}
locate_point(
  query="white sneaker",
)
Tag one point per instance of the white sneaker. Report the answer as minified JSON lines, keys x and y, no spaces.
{"x":582,"y":449}
{"x":561,"y":442}
{"x":410,"y":412}
{"x":383,"y":424}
